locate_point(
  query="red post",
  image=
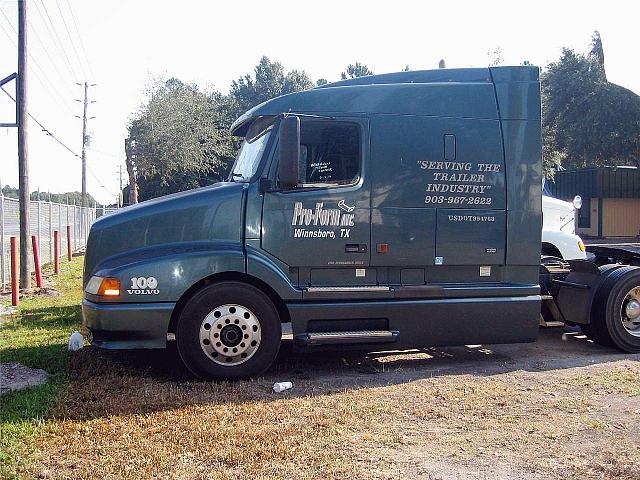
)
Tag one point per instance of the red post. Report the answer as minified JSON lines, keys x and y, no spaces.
{"x":36,"y":260}
{"x":56,"y":251}
{"x":14,"y":272}
{"x":69,"y":242}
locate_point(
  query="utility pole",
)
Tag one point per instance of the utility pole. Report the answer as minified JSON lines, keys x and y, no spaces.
{"x":133,"y":181}
{"x":84,"y":147}
{"x":23,"y":159}
{"x":120,"y":196}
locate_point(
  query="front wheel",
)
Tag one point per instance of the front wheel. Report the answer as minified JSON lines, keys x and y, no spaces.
{"x":228,"y":330}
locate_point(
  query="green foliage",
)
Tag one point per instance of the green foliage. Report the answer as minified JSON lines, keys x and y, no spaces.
{"x":10,"y":192}
{"x":180,"y":139}
{"x":587,"y":121}
{"x":37,"y":337}
{"x":181,"y":135}
{"x":72,"y":198}
{"x":355,"y":70}
{"x":269,"y":81}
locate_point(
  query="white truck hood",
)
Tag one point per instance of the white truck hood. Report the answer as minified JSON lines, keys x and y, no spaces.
{"x":557,"y":215}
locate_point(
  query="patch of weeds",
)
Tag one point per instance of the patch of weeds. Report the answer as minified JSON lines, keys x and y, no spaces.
{"x":621,"y":380}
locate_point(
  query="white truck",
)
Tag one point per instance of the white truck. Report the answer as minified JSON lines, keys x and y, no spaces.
{"x":559,"y":237}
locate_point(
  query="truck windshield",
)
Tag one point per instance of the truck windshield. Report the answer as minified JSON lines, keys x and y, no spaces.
{"x":252,"y":149}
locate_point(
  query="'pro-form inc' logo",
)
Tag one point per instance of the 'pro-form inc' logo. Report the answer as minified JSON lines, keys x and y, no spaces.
{"x":326,"y":219}
{"x":143,"y":286}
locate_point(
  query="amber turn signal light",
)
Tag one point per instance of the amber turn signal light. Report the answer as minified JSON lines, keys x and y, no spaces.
{"x":110,"y":287}
{"x":104,"y":287}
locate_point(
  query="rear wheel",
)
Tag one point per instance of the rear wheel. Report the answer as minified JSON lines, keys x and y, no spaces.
{"x":616,"y":315}
{"x":586,"y":329}
{"x":228,"y":330}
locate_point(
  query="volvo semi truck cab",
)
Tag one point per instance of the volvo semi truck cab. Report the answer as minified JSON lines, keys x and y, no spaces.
{"x":382,"y":212}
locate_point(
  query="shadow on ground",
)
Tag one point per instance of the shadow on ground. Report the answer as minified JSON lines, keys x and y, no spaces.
{"x":133,"y":382}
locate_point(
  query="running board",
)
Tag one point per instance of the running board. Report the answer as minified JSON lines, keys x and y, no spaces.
{"x":362,"y":288}
{"x":341,"y":338}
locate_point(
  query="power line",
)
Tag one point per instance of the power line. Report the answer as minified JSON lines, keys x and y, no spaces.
{"x":53,"y":41}
{"x":53,"y":90}
{"x":44,"y":129}
{"x":55,"y":98}
{"x":84,"y":50}
{"x":46,"y":51}
{"x":73,"y":46}
{"x":93,"y":174}
{"x":48,"y":132}
{"x":116,"y":157}
{"x":9,"y":36}
{"x":57,"y":37}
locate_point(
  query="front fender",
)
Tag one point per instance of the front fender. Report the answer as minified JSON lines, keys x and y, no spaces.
{"x":566,"y":243}
{"x":271,"y":271}
{"x":175,"y":268}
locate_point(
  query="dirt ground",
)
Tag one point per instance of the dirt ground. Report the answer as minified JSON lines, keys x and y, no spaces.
{"x":14,"y":376}
{"x":561,"y":408}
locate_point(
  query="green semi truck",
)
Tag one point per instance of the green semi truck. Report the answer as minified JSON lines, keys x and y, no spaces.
{"x":382,"y":212}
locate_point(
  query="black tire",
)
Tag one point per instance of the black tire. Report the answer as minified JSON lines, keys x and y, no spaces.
{"x":586,"y":330}
{"x":606,"y":318}
{"x":213,"y":299}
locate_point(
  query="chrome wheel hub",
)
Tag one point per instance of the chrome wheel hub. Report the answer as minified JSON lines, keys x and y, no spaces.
{"x":631,"y":312}
{"x":230,"y":334}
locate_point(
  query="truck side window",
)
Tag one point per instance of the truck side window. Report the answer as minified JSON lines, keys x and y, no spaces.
{"x":329,"y":153}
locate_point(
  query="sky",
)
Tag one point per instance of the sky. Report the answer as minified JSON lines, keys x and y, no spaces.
{"x":121,"y":46}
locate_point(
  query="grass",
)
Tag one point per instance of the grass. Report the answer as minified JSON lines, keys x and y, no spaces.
{"x":36,"y":337}
{"x":619,"y":381}
{"x":112,"y":414}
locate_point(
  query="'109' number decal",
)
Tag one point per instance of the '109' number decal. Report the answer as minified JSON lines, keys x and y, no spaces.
{"x":143,"y":286}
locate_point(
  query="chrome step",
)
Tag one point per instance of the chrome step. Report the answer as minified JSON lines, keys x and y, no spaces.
{"x":358,"y":336}
{"x":358,"y":288}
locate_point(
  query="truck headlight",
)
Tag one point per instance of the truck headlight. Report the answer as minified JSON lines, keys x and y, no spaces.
{"x":103,"y":287}
{"x":577,"y":202}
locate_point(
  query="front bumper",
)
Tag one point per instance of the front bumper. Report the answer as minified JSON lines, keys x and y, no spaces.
{"x":127,"y":325}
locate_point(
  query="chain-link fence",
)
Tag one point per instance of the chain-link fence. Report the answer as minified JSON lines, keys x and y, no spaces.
{"x":44,"y":218}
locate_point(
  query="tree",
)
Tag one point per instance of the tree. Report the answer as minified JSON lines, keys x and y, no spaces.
{"x":9,"y":191}
{"x":355,"y":70}
{"x":180,"y":139}
{"x":597,"y":52}
{"x":269,"y":81}
{"x":495,"y":56}
{"x":587,"y":121}
{"x":321,"y":81}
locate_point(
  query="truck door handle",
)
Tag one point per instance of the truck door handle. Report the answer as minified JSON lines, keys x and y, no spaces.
{"x":355,"y":248}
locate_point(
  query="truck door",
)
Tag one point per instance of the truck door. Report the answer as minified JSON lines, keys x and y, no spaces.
{"x":322,"y":226}
{"x":438,"y":196}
